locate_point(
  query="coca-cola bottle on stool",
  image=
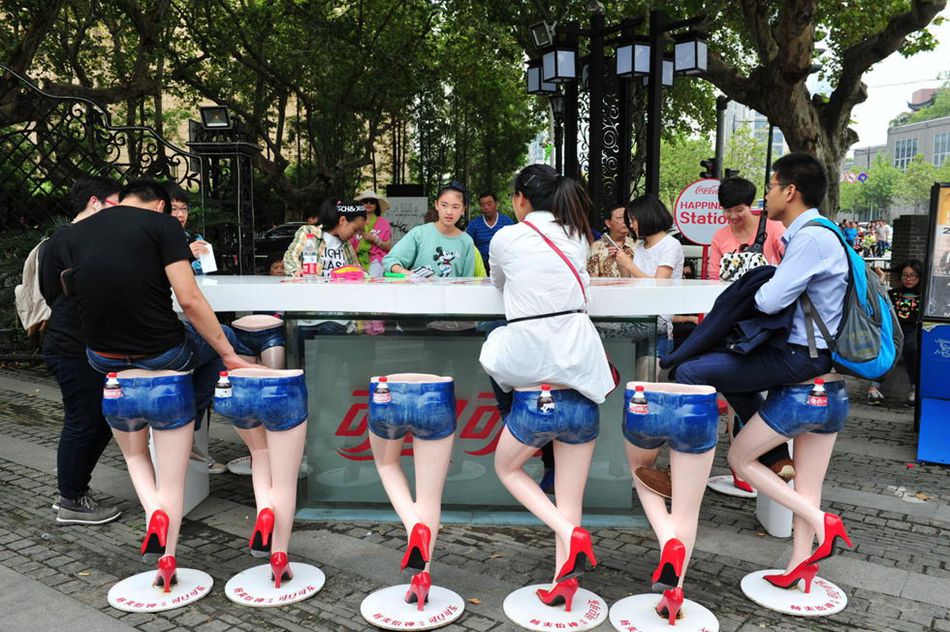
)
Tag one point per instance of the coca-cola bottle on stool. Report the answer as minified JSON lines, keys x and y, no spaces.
{"x":223,"y":387}
{"x":112,"y":388}
{"x":638,"y":403}
{"x":818,"y":395}
{"x":545,"y":399}
{"x":382,"y":394}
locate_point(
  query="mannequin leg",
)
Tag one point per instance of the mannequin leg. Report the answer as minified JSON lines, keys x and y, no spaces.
{"x":173,"y":449}
{"x":654,"y":505}
{"x":756,"y":438}
{"x":274,"y":358}
{"x":134,"y":447}
{"x":510,"y":457}
{"x":256,"y":440}
{"x":431,"y":459}
{"x":571,"y":467}
{"x":690,"y":473}
{"x":286,"y":450}
{"x":812,"y":455}
{"x":386,"y":454}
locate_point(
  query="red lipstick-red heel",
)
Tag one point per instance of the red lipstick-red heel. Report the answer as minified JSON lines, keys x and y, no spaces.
{"x":165,"y":578}
{"x":670,"y":568}
{"x":834,"y":529}
{"x":280,"y":568}
{"x":261,"y":537}
{"x":580,"y":557}
{"x":670,"y":604}
{"x":738,"y":483}
{"x":418,"y":592}
{"x":791,"y":578}
{"x":153,"y":546}
{"x":417,"y":551}
{"x":563,"y":592}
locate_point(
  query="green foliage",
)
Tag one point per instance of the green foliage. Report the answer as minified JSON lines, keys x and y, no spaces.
{"x":914,"y":187}
{"x":747,"y":153}
{"x":940,"y":107}
{"x":679,"y":166}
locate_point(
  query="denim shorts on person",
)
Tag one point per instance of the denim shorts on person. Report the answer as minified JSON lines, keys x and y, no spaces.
{"x":575,"y":419}
{"x":426,"y":409}
{"x":279,"y":403}
{"x":163,"y":402}
{"x":688,"y":421}
{"x":253,"y":343}
{"x":786,"y":410}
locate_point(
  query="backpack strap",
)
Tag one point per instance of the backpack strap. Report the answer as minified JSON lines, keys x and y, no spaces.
{"x":812,"y":317}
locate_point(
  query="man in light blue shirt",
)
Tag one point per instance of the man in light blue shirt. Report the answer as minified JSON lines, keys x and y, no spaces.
{"x":814,"y":262}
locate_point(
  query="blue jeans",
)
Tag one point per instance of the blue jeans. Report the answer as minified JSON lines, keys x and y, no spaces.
{"x":85,"y":433}
{"x":163,"y":402}
{"x":788,"y":412}
{"x":689,"y":421}
{"x":194,"y":354}
{"x":427,"y":409}
{"x":575,"y":419}
{"x":279,"y":403}
{"x":253,"y":343}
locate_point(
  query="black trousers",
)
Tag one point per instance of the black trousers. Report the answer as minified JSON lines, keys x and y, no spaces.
{"x":85,"y":433}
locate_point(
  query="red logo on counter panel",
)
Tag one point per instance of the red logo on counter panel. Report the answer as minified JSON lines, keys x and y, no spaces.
{"x":480,"y":422}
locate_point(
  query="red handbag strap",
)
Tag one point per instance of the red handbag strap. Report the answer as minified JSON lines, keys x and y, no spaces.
{"x":561,"y":255}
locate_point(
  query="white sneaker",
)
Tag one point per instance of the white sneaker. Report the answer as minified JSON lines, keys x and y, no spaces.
{"x":875,"y":396}
{"x":216,"y":468}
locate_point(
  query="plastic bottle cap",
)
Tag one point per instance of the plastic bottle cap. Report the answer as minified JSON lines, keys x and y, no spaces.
{"x":112,"y":374}
{"x":223,"y":374}
{"x":545,"y":387}
{"x":383,"y":379}
{"x":638,"y":389}
{"x":819,"y":381}
{"x":311,"y":236}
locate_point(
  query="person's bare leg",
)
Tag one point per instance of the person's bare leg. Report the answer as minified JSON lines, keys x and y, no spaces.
{"x":256,"y":441}
{"x":689,"y":473}
{"x":812,"y":455}
{"x":654,"y":505}
{"x":510,"y":457}
{"x":571,"y":467}
{"x":431,"y":460}
{"x":285,"y":448}
{"x":173,"y":450}
{"x":274,"y":357}
{"x":386,"y":455}
{"x":756,"y":438}
{"x":134,"y":447}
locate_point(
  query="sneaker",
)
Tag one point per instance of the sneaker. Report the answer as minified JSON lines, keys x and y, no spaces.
{"x":875,"y":396}
{"x":84,"y":510}
{"x":216,"y":468}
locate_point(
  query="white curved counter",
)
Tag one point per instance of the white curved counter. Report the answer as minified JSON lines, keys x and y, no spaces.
{"x":622,"y":298}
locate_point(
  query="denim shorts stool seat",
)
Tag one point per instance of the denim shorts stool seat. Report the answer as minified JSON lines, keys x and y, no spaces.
{"x":787,"y":412}
{"x":685,"y":416}
{"x":274,"y":398}
{"x":160,"y":400}
{"x":257,"y":333}
{"x":575,"y":419}
{"x":419,"y":403}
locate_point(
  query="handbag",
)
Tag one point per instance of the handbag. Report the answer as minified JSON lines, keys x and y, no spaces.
{"x":614,"y":373}
{"x":735,"y":264}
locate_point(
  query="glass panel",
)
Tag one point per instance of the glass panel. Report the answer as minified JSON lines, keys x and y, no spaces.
{"x":625,"y":60}
{"x":702,"y":55}
{"x":548,"y":63}
{"x":684,"y":56}
{"x":937,"y":286}
{"x":566,"y":68}
{"x":534,"y":79}
{"x":341,"y":471}
{"x":641,"y":61}
{"x":668,"y":72}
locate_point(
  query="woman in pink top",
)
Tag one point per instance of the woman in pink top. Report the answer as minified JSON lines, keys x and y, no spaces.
{"x":736,"y":196}
{"x":377,"y":236}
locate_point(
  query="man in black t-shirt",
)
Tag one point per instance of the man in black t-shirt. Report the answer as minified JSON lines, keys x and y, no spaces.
{"x":122,"y":266}
{"x":85,"y":433}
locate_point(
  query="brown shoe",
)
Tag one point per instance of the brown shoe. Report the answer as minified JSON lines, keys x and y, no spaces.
{"x":784,"y":468}
{"x":657,"y":481}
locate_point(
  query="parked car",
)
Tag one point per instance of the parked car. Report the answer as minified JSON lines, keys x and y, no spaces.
{"x":273,"y":243}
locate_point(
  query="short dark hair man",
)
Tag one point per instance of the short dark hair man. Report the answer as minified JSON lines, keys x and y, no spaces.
{"x":482,"y":229}
{"x":85,"y":433}
{"x":124,"y":293}
{"x":180,"y":210}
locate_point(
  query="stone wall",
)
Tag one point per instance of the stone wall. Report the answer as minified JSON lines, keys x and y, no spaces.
{"x":910,"y":241}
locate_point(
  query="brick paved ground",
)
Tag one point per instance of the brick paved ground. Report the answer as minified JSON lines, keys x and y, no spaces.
{"x":897,"y":576}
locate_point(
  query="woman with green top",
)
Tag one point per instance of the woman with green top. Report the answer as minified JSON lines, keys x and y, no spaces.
{"x":438,"y":248}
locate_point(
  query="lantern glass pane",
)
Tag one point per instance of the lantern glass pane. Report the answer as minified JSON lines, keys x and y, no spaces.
{"x":702,"y":55}
{"x":548,"y":60}
{"x":668,"y":72}
{"x":641,"y":59}
{"x":534,"y":79}
{"x":685,"y":56}
{"x":625,"y":60}
{"x":565,"y":65}
{"x":548,"y":87}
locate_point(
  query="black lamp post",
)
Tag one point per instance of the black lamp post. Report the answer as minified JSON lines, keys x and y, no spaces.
{"x":557,"y":112}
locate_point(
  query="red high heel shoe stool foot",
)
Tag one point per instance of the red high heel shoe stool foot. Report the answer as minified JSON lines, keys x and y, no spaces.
{"x":544,"y":607}
{"x":724,"y":484}
{"x":255,"y":587}
{"x":141,"y":592}
{"x":641,"y":611}
{"x":397,"y":607}
{"x":823,"y":598}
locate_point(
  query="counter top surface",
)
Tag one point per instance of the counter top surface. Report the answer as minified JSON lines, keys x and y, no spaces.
{"x":450,"y":296}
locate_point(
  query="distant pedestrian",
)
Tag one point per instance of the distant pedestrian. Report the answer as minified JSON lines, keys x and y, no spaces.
{"x":482,"y":229}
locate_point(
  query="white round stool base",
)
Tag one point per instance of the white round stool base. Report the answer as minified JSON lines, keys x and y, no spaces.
{"x":387,"y":609}
{"x":523,"y":607}
{"x":724,"y":485}
{"x":824,"y":599}
{"x":255,"y":588}
{"x":240,"y":466}
{"x":638,"y":614}
{"x":136,"y":593}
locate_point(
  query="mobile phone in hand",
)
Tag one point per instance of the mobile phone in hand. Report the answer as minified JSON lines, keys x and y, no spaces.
{"x":612,"y":242}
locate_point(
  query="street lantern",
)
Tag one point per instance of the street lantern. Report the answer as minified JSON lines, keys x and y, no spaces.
{"x":557,"y":105}
{"x":690,"y":53}
{"x":633,"y":59}
{"x":559,"y":64}
{"x":533,"y":79}
{"x":668,"y":71}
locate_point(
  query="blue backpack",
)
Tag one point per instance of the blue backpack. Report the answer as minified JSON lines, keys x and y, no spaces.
{"x":869,"y":338}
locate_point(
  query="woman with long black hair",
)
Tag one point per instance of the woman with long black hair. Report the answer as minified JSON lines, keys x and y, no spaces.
{"x":551,"y":357}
